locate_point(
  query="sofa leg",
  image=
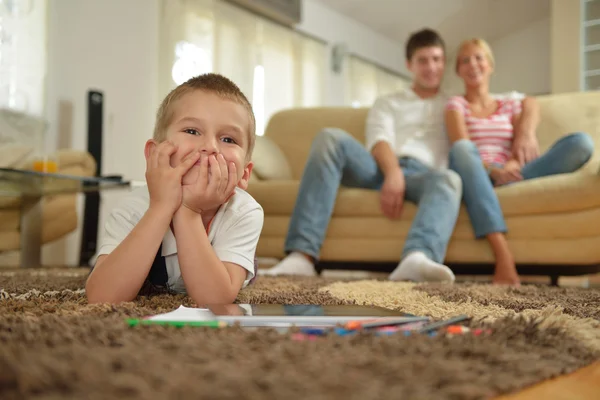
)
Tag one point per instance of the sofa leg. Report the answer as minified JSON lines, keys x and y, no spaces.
{"x":554,"y":280}
{"x":319,"y":270}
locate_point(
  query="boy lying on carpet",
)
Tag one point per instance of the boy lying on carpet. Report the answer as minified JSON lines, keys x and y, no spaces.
{"x":193,"y":228}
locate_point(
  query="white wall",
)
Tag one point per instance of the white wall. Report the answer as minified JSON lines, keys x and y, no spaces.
{"x":567,"y":39}
{"x":522,"y":62}
{"x":334,"y":28}
{"x":112,"y":45}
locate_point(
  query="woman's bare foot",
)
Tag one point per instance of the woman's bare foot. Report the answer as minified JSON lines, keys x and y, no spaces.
{"x":506,"y":273}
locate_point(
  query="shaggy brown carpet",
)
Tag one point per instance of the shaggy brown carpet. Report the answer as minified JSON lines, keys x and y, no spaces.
{"x":54,"y":345}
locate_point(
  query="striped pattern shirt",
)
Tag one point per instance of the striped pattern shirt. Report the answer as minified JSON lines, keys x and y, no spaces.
{"x":492,"y":135}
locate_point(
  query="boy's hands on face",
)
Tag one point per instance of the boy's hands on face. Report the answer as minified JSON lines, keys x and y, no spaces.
{"x":164,"y":181}
{"x":215,"y":184}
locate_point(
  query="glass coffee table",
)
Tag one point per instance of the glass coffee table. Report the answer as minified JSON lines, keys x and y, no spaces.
{"x":30,"y":187}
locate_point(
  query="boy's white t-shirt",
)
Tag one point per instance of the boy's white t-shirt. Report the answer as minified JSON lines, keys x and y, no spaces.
{"x":233,"y":232}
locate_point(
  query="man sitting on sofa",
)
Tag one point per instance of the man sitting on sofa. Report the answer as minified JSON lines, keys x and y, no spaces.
{"x":405,"y":157}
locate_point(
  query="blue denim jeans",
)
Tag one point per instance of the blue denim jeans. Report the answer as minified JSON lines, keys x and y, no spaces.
{"x":568,"y":154}
{"x":337,"y":158}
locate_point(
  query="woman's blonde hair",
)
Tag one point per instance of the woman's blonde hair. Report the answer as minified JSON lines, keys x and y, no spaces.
{"x":482,"y":44}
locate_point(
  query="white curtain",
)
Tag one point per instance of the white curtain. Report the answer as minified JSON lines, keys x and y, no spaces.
{"x":23,"y":66}
{"x":366,"y":82}
{"x":274,"y":66}
{"x":23,"y":56}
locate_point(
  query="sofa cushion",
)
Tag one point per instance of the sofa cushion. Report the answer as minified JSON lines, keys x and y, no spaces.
{"x":568,"y":112}
{"x":294,"y":130}
{"x":12,"y":155}
{"x":269,"y":161}
{"x":276,"y":197}
{"x":559,"y":252}
{"x":59,"y":217}
{"x":9,"y":220}
{"x":53,"y":228}
{"x":563,"y":193}
{"x":52,"y":206}
{"x":70,"y":162}
{"x":569,"y":225}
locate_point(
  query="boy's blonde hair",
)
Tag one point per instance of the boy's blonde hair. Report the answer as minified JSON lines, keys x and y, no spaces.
{"x":482,"y":44}
{"x":213,"y":83}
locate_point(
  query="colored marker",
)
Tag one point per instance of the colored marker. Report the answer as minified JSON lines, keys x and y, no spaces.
{"x":376,"y":323}
{"x":314,"y":331}
{"x":301,"y":337}
{"x":440,"y":324}
{"x":430,"y":334}
{"x":457,"y":329}
{"x":480,"y":331}
{"x":412,"y":326}
{"x":344,"y":332}
{"x":177,"y":324}
{"x":387,"y":331}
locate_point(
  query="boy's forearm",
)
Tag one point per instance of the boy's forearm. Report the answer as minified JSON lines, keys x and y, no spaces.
{"x":530,"y":117}
{"x":206,"y":279}
{"x":385,"y":158}
{"x":122,"y":273}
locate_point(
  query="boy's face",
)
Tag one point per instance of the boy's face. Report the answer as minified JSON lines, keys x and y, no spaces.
{"x":427,"y":65}
{"x":203,"y":121}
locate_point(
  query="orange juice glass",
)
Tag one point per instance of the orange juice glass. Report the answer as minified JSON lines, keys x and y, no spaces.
{"x":45,"y":164}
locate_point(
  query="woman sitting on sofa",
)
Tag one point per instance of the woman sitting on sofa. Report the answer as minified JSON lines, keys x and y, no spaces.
{"x":481,"y":129}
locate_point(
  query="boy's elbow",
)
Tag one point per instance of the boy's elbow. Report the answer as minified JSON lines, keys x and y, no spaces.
{"x":226,"y":296}
{"x":102,"y":298}
{"x":95,"y":299}
{"x":229,"y":295}
{"x":232,"y":295}
{"x":90,"y":292}
{"x":96,"y":296}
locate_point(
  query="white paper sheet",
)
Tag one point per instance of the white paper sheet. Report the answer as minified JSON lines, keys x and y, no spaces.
{"x":185,"y":314}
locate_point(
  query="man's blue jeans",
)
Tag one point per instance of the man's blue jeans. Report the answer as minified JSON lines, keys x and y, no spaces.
{"x":568,"y":154}
{"x":337,"y":158}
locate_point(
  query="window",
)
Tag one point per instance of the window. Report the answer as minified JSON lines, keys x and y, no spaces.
{"x":367,"y":81}
{"x":23,"y":56}
{"x":260,"y":56}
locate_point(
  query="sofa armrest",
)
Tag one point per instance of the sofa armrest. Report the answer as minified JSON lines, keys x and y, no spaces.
{"x":70,"y":162}
{"x":76,"y":162}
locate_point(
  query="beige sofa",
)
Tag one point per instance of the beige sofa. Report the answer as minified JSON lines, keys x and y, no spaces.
{"x":553,"y":222}
{"x":59,"y":211}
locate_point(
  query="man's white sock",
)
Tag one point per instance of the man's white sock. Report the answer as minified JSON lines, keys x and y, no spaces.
{"x":418,"y":267}
{"x":294,"y":264}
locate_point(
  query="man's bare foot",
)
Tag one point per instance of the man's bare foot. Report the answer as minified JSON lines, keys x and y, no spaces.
{"x":506,"y":273}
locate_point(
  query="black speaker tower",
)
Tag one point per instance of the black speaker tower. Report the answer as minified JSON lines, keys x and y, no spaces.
{"x":89,"y":235}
